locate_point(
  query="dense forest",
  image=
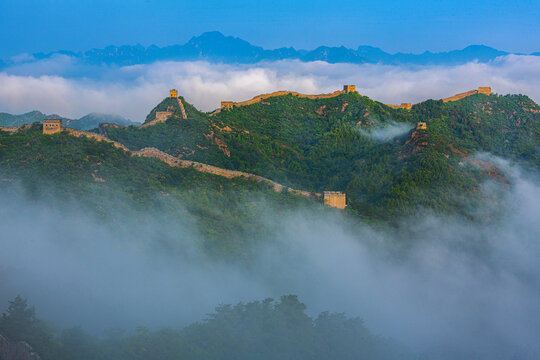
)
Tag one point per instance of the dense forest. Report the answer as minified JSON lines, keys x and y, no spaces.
{"x":353,"y":144}
{"x":264,"y":330}
{"x":375,"y":154}
{"x":106,"y":183}
{"x":389,"y":167}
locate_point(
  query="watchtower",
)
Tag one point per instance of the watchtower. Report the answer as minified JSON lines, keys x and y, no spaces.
{"x":407,"y":106}
{"x":52,"y":126}
{"x":349,"y":88}
{"x":335,"y":199}
{"x":484,"y":90}
{"x":227,"y":105}
{"x":173,"y":93}
{"x":421,"y":126}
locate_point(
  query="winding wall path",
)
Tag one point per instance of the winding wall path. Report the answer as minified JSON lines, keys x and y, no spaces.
{"x":175,"y":162}
{"x":210,"y":169}
{"x":259,"y":98}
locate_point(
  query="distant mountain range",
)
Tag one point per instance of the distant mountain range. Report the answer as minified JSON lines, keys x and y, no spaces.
{"x":216,"y":47}
{"x":87,"y":122}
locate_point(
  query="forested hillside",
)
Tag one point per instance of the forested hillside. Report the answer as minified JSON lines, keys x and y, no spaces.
{"x":350,"y":143}
{"x":263,"y":330}
{"x":108,"y":182}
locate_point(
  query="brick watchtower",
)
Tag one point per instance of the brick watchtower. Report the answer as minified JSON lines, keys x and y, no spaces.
{"x":349,"y":88}
{"x":52,"y":126}
{"x":335,"y":199}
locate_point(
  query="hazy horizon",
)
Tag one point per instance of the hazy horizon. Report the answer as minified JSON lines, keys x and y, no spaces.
{"x":404,"y":26}
{"x":62,"y":85}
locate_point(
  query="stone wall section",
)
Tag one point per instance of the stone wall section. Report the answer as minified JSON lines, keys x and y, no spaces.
{"x":98,"y":137}
{"x":12,"y":129}
{"x":460,"y":96}
{"x":175,"y":162}
{"x":210,"y":169}
{"x":182,"y":109}
{"x":162,"y":116}
{"x":227,"y":105}
{"x":406,"y":106}
{"x":481,"y":90}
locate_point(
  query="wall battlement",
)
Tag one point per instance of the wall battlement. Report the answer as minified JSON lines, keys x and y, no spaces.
{"x":90,"y":135}
{"x":335,"y":199}
{"x":175,"y":162}
{"x":228,"y":105}
{"x":331,"y":198}
{"x":486,"y":90}
{"x":52,"y":126}
{"x":12,"y":129}
{"x":406,"y":106}
{"x":161,"y":116}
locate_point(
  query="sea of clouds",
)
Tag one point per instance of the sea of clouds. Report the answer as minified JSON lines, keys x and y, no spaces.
{"x":66,"y":87}
{"x":444,"y":286}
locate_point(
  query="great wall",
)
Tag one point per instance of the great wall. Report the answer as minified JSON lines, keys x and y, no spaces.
{"x":53,"y":126}
{"x":331,"y":198}
{"x":210,"y":169}
{"x":228,"y":105}
{"x":162,"y":116}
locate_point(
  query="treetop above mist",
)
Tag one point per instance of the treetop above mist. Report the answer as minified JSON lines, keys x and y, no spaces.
{"x":264,"y":330}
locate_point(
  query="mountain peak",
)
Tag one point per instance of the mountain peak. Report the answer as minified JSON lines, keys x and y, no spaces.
{"x":217,"y":47}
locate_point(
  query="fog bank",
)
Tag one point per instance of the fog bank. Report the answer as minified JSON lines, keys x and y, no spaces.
{"x":64,"y":86}
{"x":445,"y":286}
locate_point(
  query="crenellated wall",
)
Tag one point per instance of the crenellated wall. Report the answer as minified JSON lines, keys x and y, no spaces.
{"x":227,"y":105}
{"x":460,"y":96}
{"x":406,"y":106}
{"x":175,"y":162}
{"x":210,"y":169}
{"x":481,"y":90}
{"x":90,"y":135}
{"x":12,"y":129}
{"x":162,"y":116}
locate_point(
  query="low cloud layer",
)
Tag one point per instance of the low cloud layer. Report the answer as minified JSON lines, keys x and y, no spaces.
{"x":61,"y":85}
{"x":386,"y":131}
{"x":443,"y":286}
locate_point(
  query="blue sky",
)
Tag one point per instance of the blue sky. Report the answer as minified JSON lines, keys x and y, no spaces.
{"x":406,"y":25}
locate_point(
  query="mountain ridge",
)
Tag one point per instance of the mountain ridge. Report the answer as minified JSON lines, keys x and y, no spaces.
{"x":388,"y":160}
{"x":87,"y":122}
{"x":215,"y":47}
